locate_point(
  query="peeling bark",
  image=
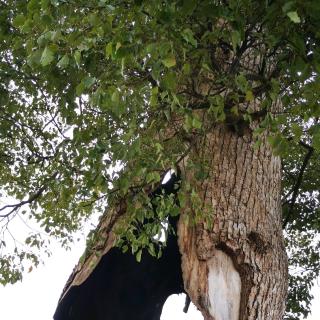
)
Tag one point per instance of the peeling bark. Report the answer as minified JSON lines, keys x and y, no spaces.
{"x":245,"y":240}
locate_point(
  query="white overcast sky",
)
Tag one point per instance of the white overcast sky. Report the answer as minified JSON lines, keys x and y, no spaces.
{"x":36,"y":297}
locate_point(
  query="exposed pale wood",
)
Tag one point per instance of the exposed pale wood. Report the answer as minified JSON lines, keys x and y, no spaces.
{"x":224,"y":287}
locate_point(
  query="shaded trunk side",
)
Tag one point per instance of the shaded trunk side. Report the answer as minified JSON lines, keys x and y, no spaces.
{"x":237,"y":268}
{"x":110,"y":284}
{"x":121,"y":288}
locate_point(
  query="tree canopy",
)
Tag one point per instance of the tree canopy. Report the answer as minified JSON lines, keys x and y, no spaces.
{"x":100,"y":99}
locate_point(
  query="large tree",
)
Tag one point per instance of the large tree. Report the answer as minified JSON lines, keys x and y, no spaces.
{"x":100,"y":100}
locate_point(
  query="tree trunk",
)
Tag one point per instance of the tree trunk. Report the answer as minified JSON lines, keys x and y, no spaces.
{"x":234,"y":263}
{"x":236,"y":269}
{"x":233,"y":269}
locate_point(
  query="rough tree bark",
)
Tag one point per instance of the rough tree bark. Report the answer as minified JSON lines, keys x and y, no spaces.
{"x":237,"y":269}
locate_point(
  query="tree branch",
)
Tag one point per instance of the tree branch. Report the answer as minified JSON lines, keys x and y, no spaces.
{"x":31,"y":198}
{"x":296,"y":187}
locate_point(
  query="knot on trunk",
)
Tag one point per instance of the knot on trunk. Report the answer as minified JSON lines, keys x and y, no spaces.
{"x":259,"y":244}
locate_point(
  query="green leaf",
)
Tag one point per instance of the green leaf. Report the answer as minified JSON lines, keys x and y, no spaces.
{"x":63,"y":62}
{"x":188,"y":7}
{"x":45,"y":4}
{"x":241,"y":82}
{"x":153,"y":177}
{"x":33,"y":5}
{"x":19,"y":20}
{"x":294,"y":17}
{"x":169,"y":81}
{"x":151,"y":249}
{"x":108,"y":50}
{"x":94,"y":19}
{"x":316,"y":138}
{"x":297,"y":131}
{"x":288,"y":6}
{"x":188,"y":122}
{"x":77,"y":57}
{"x":236,"y":39}
{"x":80,"y":88}
{"x":169,"y":62}
{"x":186,"y":69}
{"x":55,"y":2}
{"x":88,"y":82}
{"x":115,"y":97}
{"x":138,"y":255}
{"x":154,"y":96}
{"x":34,"y":58}
{"x":188,"y":36}
{"x":249,"y":95}
{"x":196,"y":123}
{"x":118,"y":46}
{"x":47,"y":56}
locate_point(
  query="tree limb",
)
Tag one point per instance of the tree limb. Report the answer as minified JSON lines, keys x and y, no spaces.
{"x":33,"y":197}
{"x":296,"y":187}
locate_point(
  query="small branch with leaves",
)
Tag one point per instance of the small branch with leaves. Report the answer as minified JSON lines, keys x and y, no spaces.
{"x":33,"y":197}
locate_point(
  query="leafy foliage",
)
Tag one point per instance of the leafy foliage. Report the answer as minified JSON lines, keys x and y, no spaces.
{"x":99,"y":99}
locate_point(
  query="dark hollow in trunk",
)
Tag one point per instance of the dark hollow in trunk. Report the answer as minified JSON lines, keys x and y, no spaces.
{"x":120,"y":288}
